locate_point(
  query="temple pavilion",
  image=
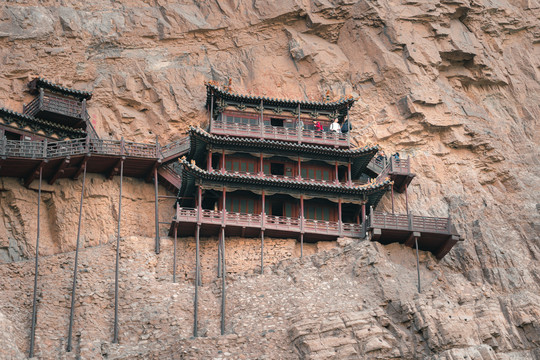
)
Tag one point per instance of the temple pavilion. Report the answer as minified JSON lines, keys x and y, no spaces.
{"x":263,"y":166}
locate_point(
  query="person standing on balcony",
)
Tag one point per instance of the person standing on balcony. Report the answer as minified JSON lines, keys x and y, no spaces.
{"x":335,"y":126}
{"x":346,"y":127}
{"x":318,"y":126}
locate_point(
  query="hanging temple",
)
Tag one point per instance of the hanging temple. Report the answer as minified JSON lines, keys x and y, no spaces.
{"x":258,"y":166}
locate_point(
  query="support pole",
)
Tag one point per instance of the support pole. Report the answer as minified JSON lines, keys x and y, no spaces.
{"x":340,"y":219}
{"x":196,"y":300}
{"x":199,"y":222}
{"x":156,"y":210}
{"x":417,"y":263}
{"x":262,"y":251}
{"x":301,"y":245}
{"x":219,"y":256}
{"x":174,"y":252}
{"x":34,"y":302}
{"x":392,"y":193}
{"x":115,"y":334}
{"x":406,"y":200}
{"x":364,"y":220}
{"x":223,"y":287}
{"x":336,"y":180}
{"x":71,"y":313}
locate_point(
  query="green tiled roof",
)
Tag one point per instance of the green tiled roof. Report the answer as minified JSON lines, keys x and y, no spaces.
{"x":46,"y":84}
{"x":39,"y":124}
{"x":223,"y":93}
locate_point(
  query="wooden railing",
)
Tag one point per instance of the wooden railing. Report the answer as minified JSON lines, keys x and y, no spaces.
{"x":409,"y":222}
{"x":385,"y":167}
{"x":57,"y":104}
{"x":270,"y":222}
{"x":46,"y":150}
{"x":279,"y":133}
{"x":175,"y":148}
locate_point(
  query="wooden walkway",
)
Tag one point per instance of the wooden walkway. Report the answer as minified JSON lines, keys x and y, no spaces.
{"x":434,"y":234}
{"x":250,"y":225}
{"x":219,"y":127}
{"x":64,"y":159}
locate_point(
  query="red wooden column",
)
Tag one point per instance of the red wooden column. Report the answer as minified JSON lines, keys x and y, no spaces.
{"x":299,"y":175}
{"x":337,"y":174}
{"x":340,"y":221}
{"x":224,"y":207}
{"x":209,"y":160}
{"x":349,"y":177}
{"x":223,"y":161}
{"x":261,"y":165}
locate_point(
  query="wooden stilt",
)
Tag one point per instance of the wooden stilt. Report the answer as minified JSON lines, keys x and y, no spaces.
{"x":115,"y":333}
{"x":34,"y":302}
{"x":196,"y":300}
{"x":392,"y":193}
{"x":262,"y":251}
{"x":406,"y":201}
{"x":174,"y":252}
{"x":72,"y":309}
{"x":219,"y":256}
{"x":156,"y":211}
{"x":301,"y":245}
{"x":223,"y":276}
{"x":417,"y":263}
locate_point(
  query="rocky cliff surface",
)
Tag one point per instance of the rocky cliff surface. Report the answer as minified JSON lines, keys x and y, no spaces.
{"x":452,"y":83}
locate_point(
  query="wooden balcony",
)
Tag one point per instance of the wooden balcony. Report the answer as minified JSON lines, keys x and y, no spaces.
{"x":58,"y":109}
{"x":175,"y":149}
{"x":63,"y":159}
{"x":220,"y":127}
{"x":398,"y":170}
{"x":250,"y":225}
{"x":434,"y":234}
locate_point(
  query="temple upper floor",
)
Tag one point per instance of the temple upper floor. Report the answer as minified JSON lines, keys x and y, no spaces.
{"x":322,"y":123}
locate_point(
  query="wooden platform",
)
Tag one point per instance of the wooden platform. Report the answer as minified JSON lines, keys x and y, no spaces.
{"x":250,"y":225}
{"x":65,"y":159}
{"x":436,"y":235}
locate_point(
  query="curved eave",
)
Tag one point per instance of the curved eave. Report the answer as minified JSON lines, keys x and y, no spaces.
{"x":222,"y":93}
{"x":36,"y":124}
{"x":200,"y":138}
{"x":46,"y":84}
{"x":192,"y":172}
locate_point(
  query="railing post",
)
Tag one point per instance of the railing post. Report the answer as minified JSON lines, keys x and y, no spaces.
{"x":83,"y":110}
{"x":122,"y":149}
{"x":4,"y":142}
{"x":40,"y":98}
{"x":45,"y":148}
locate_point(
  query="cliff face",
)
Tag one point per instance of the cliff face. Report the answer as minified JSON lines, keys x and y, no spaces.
{"x":454,"y":84}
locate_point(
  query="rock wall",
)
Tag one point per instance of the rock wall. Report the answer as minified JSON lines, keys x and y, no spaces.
{"x":453,"y":84}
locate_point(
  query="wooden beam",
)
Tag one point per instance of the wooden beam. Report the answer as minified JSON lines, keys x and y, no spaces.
{"x":34,"y":173}
{"x":150,"y":175}
{"x":410,"y":239}
{"x":60,"y":170}
{"x":376,"y":234}
{"x":447,"y":246}
{"x":116,"y":168}
{"x":81,"y":167}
